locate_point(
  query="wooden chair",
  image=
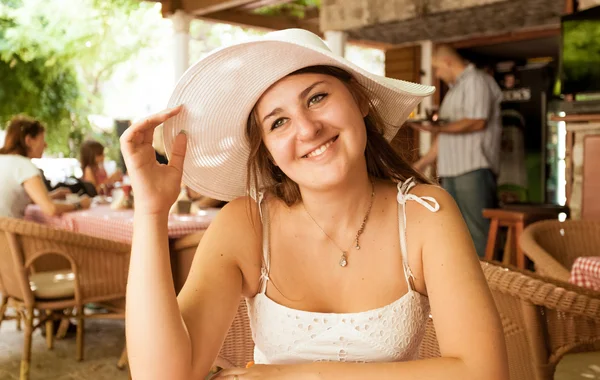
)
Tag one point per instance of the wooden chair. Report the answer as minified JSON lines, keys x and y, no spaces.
{"x":553,"y":246}
{"x":515,"y":219}
{"x":97,"y":274}
{"x":544,"y":321}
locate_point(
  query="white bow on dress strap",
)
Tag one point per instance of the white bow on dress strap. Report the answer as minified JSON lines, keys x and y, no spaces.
{"x":428,"y":202}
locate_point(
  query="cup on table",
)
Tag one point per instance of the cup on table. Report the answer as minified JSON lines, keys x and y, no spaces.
{"x":184,"y":206}
{"x":72,"y":198}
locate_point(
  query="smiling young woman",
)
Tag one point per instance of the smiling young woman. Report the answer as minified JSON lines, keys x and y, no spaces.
{"x":346,"y":249}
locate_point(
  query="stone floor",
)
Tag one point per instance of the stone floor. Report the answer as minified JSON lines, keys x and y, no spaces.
{"x":104,"y":341}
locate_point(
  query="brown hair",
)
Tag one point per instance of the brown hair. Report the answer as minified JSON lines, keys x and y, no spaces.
{"x":382,"y":160}
{"x":19,"y":127}
{"x":88,"y":152}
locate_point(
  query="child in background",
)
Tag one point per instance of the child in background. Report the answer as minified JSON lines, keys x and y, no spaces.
{"x":92,"y":165}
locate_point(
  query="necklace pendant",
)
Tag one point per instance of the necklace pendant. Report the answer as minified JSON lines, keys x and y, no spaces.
{"x":343,"y":260}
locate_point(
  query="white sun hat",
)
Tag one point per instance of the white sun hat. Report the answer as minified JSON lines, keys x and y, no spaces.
{"x":219,"y":92}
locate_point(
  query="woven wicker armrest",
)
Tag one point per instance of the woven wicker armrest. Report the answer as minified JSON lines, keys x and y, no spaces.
{"x":545,"y":292}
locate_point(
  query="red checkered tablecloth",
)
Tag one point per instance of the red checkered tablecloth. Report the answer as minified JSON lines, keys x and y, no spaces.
{"x":586,"y":272}
{"x":103,"y":222}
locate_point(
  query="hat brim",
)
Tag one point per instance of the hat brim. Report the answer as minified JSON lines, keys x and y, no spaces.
{"x":220,"y":91}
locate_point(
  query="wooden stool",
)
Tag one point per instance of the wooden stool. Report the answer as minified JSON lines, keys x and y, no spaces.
{"x":516,"y":218}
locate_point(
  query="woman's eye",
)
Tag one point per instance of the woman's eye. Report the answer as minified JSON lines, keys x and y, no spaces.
{"x":277,"y":123}
{"x":316,"y":99}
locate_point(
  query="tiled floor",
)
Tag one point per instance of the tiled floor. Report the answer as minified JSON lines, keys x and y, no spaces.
{"x":104,"y":341}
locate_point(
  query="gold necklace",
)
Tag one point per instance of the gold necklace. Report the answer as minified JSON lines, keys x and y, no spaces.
{"x":344,"y":259}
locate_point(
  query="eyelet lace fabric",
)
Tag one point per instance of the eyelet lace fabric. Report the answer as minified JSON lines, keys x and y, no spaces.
{"x":391,"y":333}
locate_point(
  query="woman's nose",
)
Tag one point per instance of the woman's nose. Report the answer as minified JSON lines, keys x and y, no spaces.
{"x":307,"y":127}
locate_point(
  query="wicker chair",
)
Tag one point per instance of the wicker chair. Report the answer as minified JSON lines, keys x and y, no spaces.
{"x":97,"y":274}
{"x":553,"y":246}
{"x":543,"y":321}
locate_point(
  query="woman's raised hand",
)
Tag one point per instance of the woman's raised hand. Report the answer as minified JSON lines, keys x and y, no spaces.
{"x":156,"y":186}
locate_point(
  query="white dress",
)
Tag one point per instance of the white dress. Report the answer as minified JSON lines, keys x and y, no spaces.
{"x":391,"y":333}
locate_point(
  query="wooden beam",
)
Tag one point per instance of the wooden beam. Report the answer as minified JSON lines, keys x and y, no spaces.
{"x":261,"y":3}
{"x":203,"y":7}
{"x":312,"y":13}
{"x":506,"y":37}
{"x":268,"y":23}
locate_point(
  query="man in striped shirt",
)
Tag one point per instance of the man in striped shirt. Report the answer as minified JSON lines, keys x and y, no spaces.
{"x":467,"y":146}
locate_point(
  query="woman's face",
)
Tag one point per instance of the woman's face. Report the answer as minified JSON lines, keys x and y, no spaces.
{"x":314,"y":129}
{"x":100,"y":159}
{"x":36,"y":145}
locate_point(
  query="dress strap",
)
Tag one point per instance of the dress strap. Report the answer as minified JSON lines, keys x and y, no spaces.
{"x":403,"y":196}
{"x":266,"y":264}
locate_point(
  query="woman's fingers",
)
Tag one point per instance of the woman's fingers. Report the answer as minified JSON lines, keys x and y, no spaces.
{"x":178,"y":151}
{"x":228,"y":374}
{"x":137,"y":133}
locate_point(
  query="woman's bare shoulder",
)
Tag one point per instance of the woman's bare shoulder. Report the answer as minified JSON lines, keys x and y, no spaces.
{"x":240,"y":217}
{"x":432,"y":194}
{"x":445,"y":219}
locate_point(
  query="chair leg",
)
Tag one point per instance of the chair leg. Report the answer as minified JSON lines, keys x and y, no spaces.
{"x":64,"y":325}
{"x":79,"y":340}
{"x":519,"y":252}
{"x":508,"y":255}
{"x":123,"y":361}
{"x":3,"y":307}
{"x":18,"y":320}
{"x":491,"y":243}
{"x":26,"y":359}
{"x":49,"y":330}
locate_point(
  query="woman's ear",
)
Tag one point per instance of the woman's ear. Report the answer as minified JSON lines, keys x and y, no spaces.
{"x":28,"y":141}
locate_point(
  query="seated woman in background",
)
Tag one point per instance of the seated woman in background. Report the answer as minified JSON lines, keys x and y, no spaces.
{"x":92,"y":160}
{"x":21,"y":179}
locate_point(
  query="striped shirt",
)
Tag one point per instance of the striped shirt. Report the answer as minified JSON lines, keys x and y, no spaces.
{"x":474,"y":95}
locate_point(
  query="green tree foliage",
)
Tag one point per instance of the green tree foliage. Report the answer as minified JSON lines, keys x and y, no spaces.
{"x":55,"y":55}
{"x":581,"y":53}
{"x":295,"y":8}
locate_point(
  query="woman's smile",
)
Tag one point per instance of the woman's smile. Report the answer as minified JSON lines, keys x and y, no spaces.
{"x":320,"y":151}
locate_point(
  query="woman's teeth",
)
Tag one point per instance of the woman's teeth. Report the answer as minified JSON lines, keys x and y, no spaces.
{"x":320,"y":150}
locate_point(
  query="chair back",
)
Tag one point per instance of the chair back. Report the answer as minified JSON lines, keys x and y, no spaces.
{"x":100,"y":266}
{"x":13,"y":274}
{"x":238,"y":348}
{"x":553,"y":246}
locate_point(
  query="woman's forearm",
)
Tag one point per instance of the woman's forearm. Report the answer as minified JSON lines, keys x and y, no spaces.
{"x":158,"y":344}
{"x":431,"y":369}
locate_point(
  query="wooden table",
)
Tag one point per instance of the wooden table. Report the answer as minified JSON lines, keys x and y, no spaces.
{"x":103,"y":222}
